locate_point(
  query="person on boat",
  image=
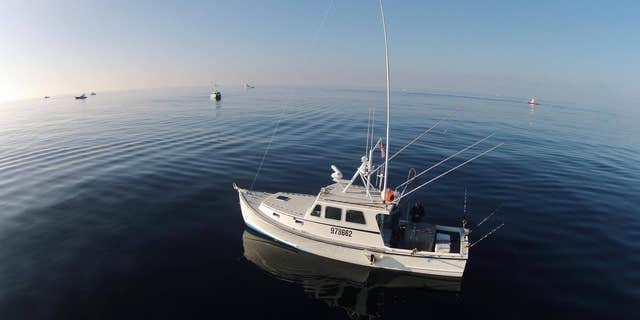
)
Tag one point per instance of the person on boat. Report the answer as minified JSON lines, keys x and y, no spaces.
{"x":417,"y":212}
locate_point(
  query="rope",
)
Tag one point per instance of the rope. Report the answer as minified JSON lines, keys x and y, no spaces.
{"x":284,"y":107}
{"x":273,"y":134}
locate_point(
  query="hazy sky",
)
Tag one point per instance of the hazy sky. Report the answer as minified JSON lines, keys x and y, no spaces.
{"x":562,"y":50}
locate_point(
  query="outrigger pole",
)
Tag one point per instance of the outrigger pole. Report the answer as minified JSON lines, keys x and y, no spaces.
{"x":419,"y":136}
{"x":444,"y":160}
{"x":448,"y":171}
{"x":386,"y":56}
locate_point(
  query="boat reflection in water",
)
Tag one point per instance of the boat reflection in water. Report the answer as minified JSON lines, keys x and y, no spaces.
{"x":357,"y":289}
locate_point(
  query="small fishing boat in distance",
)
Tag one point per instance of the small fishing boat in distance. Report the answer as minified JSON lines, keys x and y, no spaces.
{"x":46,"y":97}
{"x":93,"y":93}
{"x":533,"y":102}
{"x":248,"y":86}
{"x":81,"y":97}
{"x":216,"y":95}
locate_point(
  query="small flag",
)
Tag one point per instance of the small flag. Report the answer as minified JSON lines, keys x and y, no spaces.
{"x":381,"y":147}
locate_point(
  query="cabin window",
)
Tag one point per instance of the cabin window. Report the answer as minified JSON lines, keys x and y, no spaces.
{"x":316,"y":210}
{"x":355,"y":216}
{"x":283,"y":198}
{"x":333,"y":213}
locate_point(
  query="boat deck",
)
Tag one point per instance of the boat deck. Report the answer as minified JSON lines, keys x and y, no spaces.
{"x":295,"y":204}
{"x":255,"y":198}
{"x":420,"y":236}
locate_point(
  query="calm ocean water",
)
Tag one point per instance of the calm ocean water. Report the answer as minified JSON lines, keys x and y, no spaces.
{"x":121,"y":206}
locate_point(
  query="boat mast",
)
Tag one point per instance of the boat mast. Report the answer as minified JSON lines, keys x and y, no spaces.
{"x":386,"y":56}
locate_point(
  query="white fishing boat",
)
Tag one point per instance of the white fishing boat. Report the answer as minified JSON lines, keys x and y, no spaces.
{"x":361,"y":224}
{"x":216,"y":95}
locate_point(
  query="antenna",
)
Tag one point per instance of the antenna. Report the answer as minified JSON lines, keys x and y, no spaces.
{"x":366,"y":144}
{"x":373,"y":126}
{"x":386,"y":56}
{"x":465,"y":203}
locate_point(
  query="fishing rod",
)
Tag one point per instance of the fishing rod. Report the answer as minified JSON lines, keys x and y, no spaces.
{"x":486,"y":235}
{"x":489,"y":216}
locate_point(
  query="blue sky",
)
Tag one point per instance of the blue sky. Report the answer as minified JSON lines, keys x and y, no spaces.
{"x":554,"y":50}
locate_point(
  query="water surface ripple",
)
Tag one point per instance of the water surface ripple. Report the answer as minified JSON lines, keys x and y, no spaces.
{"x":121,"y":206}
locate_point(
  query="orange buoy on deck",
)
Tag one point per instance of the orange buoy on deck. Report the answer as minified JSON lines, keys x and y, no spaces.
{"x":389,"y":196}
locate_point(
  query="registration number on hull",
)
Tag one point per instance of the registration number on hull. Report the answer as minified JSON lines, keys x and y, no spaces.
{"x":341,"y":232}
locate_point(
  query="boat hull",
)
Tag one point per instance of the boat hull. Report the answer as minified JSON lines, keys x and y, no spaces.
{"x":256,"y":220}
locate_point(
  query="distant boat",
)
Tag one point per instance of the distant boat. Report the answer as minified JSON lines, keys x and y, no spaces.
{"x":216,"y":95}
{"x":93,"y":93}
{"x":46,"y":97}
{"x":82,"y":97}
{"x":533,"y":102}
{"x":248,"y":86}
